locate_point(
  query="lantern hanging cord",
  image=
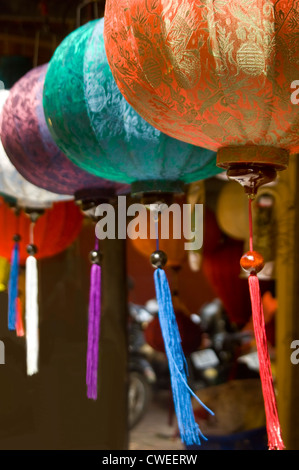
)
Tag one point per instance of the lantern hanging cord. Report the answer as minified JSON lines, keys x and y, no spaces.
{"x":250,"y":225}
{"x":17,"y":214}
{"x":155,"y":209}
{"x":156,"y":219}
{"x":31,"y":233}
{"x":96,"y":244}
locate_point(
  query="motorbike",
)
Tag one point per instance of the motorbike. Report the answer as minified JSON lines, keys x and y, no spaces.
{"x":218,"y":359}
{"x":141,"y":373}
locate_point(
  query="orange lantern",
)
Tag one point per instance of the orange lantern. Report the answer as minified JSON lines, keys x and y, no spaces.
{"x":219,"y":75}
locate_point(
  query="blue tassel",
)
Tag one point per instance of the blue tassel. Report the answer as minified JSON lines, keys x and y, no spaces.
{"x":13,"y":287}
{"x":189,"y":429}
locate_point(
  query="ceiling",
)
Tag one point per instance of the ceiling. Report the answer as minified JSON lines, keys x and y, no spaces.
{"x":34,"y":28}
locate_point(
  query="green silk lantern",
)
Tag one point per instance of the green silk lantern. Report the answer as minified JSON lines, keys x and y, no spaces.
{"x":100,"y":132}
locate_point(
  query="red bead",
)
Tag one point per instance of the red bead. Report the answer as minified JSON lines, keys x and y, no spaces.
{"x":252,"y":262}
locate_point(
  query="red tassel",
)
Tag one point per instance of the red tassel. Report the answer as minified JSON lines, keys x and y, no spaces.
{"x":19,"y":322}
{"x":252,"y":262}
{"x":275,"y":441}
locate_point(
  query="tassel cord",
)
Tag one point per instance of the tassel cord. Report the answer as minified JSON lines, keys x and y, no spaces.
{"x":272,"y":421}
{"x":181,"y":392}
{"x":13,"y":288}
{"x":177,"y":368}
{"x":32,"y":336}
{"x":94,"y":315}
{"x":189,"y":429}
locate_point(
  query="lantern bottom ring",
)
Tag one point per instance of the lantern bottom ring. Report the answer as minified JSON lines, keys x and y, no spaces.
{"x":252,"y":166}
{"x":274,"y":157}
{"x":156,"y":187}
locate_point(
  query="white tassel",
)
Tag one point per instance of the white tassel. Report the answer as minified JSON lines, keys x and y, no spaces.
{"x":32,"y":334}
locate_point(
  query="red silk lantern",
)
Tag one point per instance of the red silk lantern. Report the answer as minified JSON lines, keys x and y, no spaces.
{"x":28,"y":237}
{"x":54,"y":230}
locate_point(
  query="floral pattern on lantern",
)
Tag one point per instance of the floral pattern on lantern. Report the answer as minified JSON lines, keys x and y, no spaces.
{"x":215,"y":74}
{"x":31,"y":148}
{"x":15,"y":186}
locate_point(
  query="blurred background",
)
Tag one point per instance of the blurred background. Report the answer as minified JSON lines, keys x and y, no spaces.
{"x":212,"y":305}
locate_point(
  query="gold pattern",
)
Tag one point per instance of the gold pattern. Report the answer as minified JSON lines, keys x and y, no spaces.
{"x":212,"y":73}
{"x":185,"y":61}
{"x":250,"y":59}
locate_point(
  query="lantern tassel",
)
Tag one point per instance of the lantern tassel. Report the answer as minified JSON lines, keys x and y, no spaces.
{"x":32,"y":336}
{"x":189,"y":429}
{"x":94,"y":318}
{"x":253,"y":262}
{"x":19,"y":322}
{"x":13,"y":287}
{"x":273,"y":426}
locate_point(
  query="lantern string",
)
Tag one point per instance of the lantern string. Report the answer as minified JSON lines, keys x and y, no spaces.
{"x":189,"y":430}
{"x":32,"y":311}
{"x":275,"y":441}
{"x":94,"y":319}
{"x":31,"y":233}
{"x":250,"y":225}
{"x":156,"y":219}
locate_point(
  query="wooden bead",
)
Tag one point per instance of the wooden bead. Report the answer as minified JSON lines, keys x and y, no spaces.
{"x":31,"y":249}
{"x":158,"y":259}
{"x":95,"y":257}
{"x":252,"y":262}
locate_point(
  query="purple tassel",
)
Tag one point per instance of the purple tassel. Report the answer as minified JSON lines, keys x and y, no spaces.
{"x":94,"y":316}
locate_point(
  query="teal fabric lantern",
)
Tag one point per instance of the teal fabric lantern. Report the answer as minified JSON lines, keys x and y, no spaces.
{"x":100,"y":132}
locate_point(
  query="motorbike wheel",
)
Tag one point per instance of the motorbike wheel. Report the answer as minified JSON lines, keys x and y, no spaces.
{"x":139,"y":395}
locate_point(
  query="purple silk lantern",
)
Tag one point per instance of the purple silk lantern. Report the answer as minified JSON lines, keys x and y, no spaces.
{"x":31,"y":149}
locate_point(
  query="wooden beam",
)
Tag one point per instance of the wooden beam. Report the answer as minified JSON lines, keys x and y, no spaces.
{"x":287,"y":320}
